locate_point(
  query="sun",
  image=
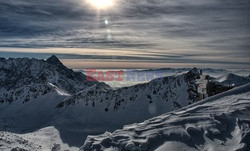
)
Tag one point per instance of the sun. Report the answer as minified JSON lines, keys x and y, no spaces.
{"x":101,"y":4}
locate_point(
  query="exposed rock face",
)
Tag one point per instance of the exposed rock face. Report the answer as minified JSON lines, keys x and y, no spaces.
{"x":191,"y":78}
{"x":23,"y":78}
{"x":173,"y":88}
{"x":225,"y":83}
{"x":80,"y":108}
{"x":214,"y":88}
{"x":18,"y":149}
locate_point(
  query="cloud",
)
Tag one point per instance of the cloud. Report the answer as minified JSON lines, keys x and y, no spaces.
{"x":185,"y":27}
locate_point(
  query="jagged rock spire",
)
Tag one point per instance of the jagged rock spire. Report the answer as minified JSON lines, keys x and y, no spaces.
{"x":54,"y":60}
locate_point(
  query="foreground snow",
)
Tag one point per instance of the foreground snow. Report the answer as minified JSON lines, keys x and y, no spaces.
{"x":217,"y":123}
{"x":45,"y":139}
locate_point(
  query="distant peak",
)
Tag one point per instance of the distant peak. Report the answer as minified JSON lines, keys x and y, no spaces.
{"x":53,"y":59}
{"x":194,"y":73}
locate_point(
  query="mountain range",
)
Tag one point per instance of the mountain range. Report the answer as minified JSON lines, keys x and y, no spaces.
{"x":217,"y":123}
{"x":43,"y":99}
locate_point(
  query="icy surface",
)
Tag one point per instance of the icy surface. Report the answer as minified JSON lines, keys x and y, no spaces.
{"x":217,"y":123}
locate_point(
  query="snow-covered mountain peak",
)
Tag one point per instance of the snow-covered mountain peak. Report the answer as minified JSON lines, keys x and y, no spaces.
{"x":167,"y":88}
{"x":54,"y":60}
{"x":17,"y":74}
{"x":231,"y":79}
{"x":195,"y":72}
{"x":52,"y":95}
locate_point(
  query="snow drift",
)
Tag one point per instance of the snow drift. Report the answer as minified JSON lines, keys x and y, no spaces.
{"x":38,"y":96}
{"x":217,"y":123}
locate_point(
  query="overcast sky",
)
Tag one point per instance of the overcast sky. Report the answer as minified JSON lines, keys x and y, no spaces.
{"x":131,"y":34}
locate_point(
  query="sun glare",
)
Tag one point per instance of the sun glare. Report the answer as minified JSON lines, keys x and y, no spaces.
{"x":101,"y":4}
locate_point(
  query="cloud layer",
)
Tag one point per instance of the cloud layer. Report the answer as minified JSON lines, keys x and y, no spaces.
{"x":197,"y":31}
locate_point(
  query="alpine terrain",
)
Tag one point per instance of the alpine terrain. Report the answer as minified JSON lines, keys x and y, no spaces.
{"x":46,"y":106}
{"x":218,"y":123}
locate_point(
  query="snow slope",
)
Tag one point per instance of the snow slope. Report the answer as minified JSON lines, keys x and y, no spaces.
{"x":45,"y":139}
{"x":93,"y":110}
{"x":30,"y":89}
{"x":221,"y":122}
{"x":37,"y":94}
{"x":215,"y":73}
{"x":24,"y":79}
{"x":233,"y":79}
{"x":98,"y":109}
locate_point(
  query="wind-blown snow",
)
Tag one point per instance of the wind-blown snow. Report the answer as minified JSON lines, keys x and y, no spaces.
{"x":98,"y":109}
{"x":217,"y":123}
{"x":38,"y":96}
{"x":45,"y":93}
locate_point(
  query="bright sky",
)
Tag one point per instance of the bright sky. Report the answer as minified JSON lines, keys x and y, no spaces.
{"x":128,"y":34}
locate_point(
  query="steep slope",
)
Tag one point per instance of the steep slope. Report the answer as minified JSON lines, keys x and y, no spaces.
{"x":218,"y":123}
{"x":30,"y":89}
{"x":23,"y":73}
{"x":93,"y":110}
{"x":233,"y":80}
{"x":166,"y":88}
{"x":45,"y":139}
{"x":24,"y":117}
{"x":23,"y":80}
{"x":98,"y":109}
{"x":37,"y":94}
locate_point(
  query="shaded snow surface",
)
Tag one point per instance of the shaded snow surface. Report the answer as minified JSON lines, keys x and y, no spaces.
{"x":233,"y":79}
{"x":218,"y":123}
